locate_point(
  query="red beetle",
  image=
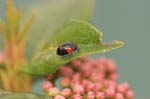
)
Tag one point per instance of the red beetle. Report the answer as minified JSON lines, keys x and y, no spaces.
{"x":67,"y":48}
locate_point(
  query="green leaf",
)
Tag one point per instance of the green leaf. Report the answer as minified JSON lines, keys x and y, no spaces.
{"x":7,"y":95}
{"x":50,"y":16}
{"x":86,"y":36}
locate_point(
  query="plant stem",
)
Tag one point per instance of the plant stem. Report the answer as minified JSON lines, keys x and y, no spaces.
{"x":15,"y":57}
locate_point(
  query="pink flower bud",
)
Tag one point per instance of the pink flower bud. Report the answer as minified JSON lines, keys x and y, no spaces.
{"x":110,"y":93}
{"x":76,"y":77}
{"x":84,"y":58}
{"x":97,"y":87}
{"x":66,"y":92}
{"x":78,"y":89}
{"x":59,"y":97}
{"x":46,"y":86}
{"x":122,"y":88}
{"x":77,"y":96}
{"x":53,"y":92}
{"x":125,"y":85}
{"x":113,"y":76}
{"x":119,"y":96}
{"x":85,"y":84}
{"x":129,"y":94}
{"x":66,"y":71}
{"x":86,"y":70}
{"x":90,"y":95}
{"x":50,"y":77}
{"x":100,"y":95}
{"x":110,"y":84}
{"x":74,"y":82}
{"x":65,"y":82}
{"x":76,"y":64}
{"x":90,"y":87}
{"x":111,"y":65}
{"x":97,"y":77}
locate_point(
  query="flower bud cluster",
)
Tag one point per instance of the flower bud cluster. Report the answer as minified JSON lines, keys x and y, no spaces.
{"x":88,"y":79}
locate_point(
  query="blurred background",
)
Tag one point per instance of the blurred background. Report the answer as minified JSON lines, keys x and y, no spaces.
{"x":126,"y":20}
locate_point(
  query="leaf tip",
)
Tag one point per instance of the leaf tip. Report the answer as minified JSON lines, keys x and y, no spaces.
{"x":118,"y":43}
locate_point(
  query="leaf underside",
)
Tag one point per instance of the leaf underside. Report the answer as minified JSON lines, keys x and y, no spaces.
{"x":86,"y":36}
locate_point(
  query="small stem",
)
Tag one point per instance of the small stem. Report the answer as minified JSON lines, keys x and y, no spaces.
{"x":14,"y":58}
{"x":5,"y":80}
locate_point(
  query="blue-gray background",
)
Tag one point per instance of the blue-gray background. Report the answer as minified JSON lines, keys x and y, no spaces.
{"x":129,"y":21}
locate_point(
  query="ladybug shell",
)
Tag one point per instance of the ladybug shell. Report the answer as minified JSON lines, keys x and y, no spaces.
{"x":67,"y":49}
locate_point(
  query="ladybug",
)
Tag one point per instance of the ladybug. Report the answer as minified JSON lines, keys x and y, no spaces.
{"x":67,"y":48}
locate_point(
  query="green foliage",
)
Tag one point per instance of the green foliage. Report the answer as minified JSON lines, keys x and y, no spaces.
{"x":48,"y":18}
{"x":49,"y":15}
{"x":86,"y":36}
{"x":7,"y":95}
